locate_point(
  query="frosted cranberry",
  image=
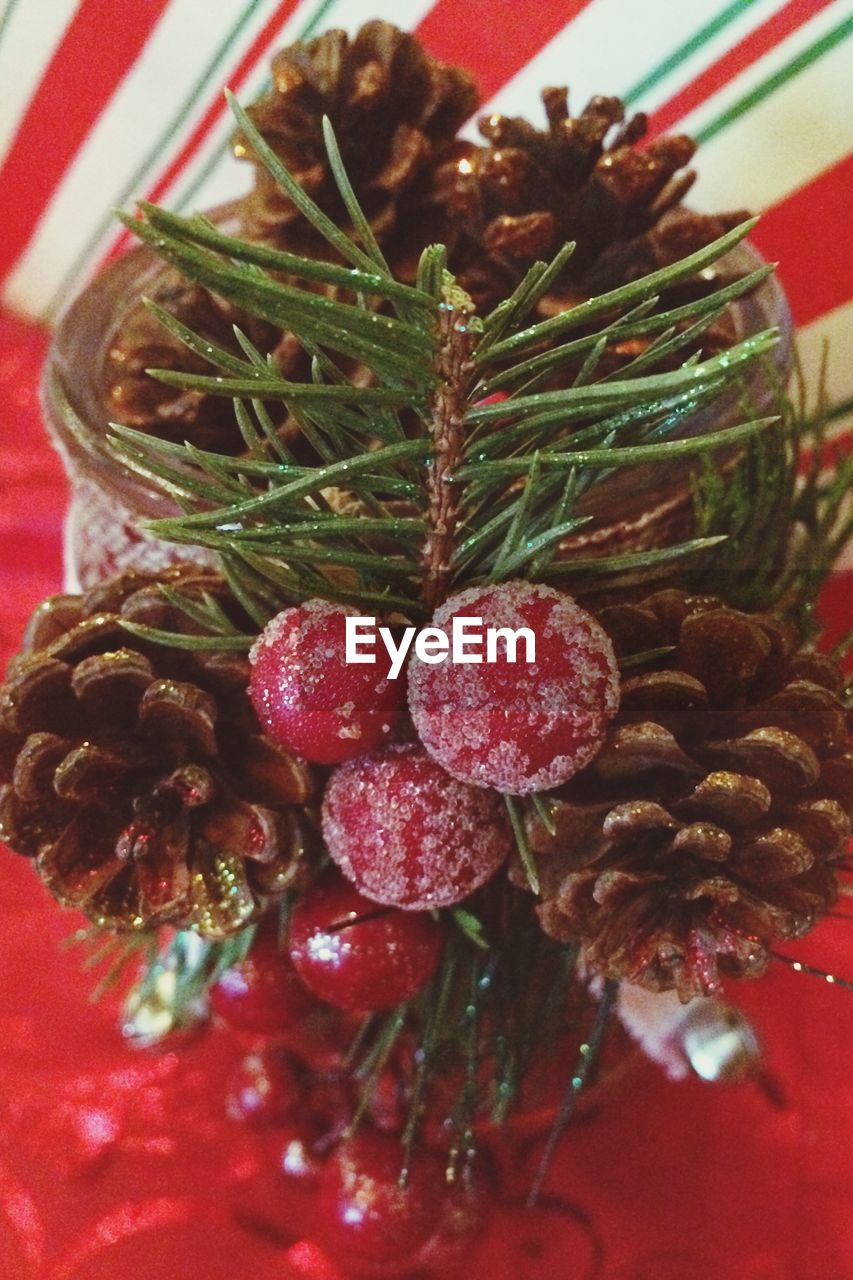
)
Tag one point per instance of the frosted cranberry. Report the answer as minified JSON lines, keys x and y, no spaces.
{"x":407,"y":834}
{"x":368,"y":1219}
{"x":265,"y":1089}
{"x":263,"y":995}
{"x":356,"y":955}
{"x":518,"y":726}
{"x":306,"y":694}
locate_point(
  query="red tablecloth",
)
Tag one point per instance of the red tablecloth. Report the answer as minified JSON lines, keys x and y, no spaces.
{"x":116,"y":1163}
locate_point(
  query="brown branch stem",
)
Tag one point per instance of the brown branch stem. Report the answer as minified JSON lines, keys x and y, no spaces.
{"x":454,"y":367}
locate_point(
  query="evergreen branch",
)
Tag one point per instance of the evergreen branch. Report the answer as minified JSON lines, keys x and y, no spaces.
{"x":613,"y":394}
{"x":615,"y":457}
{"x":626,"y":295}
{"x":636,"y":323}
{"x":455,"y":345}
{"x":590,"y":1052}
{"x":338,"y":239}
{"x":207,"y":643}
{"x":200,"y":231}
{"x":361,"y":226}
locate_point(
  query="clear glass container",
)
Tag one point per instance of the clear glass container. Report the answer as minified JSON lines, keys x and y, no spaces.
{"x":109,"y":501}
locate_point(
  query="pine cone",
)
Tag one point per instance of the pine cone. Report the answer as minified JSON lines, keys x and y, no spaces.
{"x":519,"y":198}
{"x":395,"y":112}
{"x":133,"y":397}
{"x":498,"y":207}
{"x":135,"y":775}
{"x":708,"y":826}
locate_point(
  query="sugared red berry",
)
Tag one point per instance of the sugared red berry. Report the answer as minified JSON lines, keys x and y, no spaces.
{"x":517,"y":726}
{"x":356,"y":955}
{"x":309,"y":698}
{"x":406,"y":833}
{"x":263,"y":995}
{"x":266,"y":1088}
{"x":368,"y":1218}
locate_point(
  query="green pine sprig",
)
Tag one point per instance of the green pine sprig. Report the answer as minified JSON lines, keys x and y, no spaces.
{"x":446,"y":488}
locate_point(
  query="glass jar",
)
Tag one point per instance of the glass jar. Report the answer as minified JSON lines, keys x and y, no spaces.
{"x":108,"y":502}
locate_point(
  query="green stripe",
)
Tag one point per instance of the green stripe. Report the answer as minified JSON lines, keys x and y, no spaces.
{"x":155,"y":153}
{"x":776,"y":80}
{"x":684,"y":51}
{"x":6,"y":15}
{"x":216,"y":155}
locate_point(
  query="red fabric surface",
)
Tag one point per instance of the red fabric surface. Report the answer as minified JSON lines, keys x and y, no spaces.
{"x":118,"y":1163}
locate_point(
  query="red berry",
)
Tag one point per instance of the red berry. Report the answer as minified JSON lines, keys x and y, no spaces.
{"x":263,"y":995}
{"x":408,"y":834}
{"x":266,"y":1088}
{"x":296,"y":1151}
{"x":464,"y":1211}
{"x":357,"y":956}
{"x":306,"y":694}
{"x":518,"y":726}
{"x":368,"y":1218}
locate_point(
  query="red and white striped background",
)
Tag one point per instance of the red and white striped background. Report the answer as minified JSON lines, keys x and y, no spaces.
{"x":103,"y":101}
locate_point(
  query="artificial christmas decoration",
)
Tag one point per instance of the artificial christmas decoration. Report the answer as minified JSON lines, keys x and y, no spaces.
{"x":263,"y":994}
{"x":709,"y":826}
{"x":518,"y":726}
{"x":659,"y":797}
{"x":499,"y":206}
{"x":266,"y":1089}
{"x":408,"y":834}
{"x":306,"y":694}
{"x":354,"y":956}
{"x":371,"y":1221}
{"x":136,"y":776}
{"x":395,"y":112}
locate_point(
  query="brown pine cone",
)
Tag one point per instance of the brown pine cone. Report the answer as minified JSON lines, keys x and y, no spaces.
{"x":141,"y":342}
{"x":395,"y":112}
{"x":498,"y":207}
{"x":135,"y":775}
{"x":583,"y":178}
{"x":707,"y":828}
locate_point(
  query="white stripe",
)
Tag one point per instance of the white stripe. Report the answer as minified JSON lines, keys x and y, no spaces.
{"x":33,"y":33}
{"x":142,"y":107}
{"x":836,"y":329}
{"x":229,"y":179}
{"x":712,"y":49}
{"x":789,"y":137}
{"x":610,"y":46}
{"x":405,"y":14}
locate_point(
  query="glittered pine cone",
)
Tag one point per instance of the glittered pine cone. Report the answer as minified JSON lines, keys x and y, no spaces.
{"x":582,"y":178}
{"x":395,"y":112}
{"x":708,"y":826}
{"x":135,"y":775}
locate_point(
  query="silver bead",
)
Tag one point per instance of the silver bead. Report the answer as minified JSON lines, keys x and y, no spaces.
{"x":719,"y":1043}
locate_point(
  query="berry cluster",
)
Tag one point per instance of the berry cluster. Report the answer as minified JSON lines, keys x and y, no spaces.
{"x":419,"y":824}
{"x":293,"y":1089}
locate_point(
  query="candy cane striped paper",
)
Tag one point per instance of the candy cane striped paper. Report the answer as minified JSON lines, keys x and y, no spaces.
{"x":103,"y":102}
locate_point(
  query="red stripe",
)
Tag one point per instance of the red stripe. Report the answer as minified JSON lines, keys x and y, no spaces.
{"x":213,"y":114}
{"x":741,"y":55}
{"x":246,"y":64}
{"x":101,"y":43}
{"x":493,"y":46}
{"x":808,"y":234}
